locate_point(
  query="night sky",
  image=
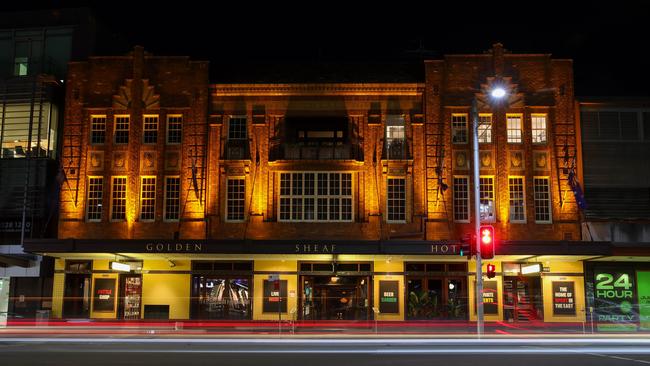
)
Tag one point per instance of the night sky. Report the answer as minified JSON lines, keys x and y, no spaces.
{"x":332,"y":41}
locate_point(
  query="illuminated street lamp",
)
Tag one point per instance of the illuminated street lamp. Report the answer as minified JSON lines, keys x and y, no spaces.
{"x":496,"y":93}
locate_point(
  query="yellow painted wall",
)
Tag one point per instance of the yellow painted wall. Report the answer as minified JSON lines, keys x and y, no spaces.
{"x":471,"y":285}
{"x":574,"y":272}
{"x":167,"y":289}
{"x":57,"y":294}
{"x":258,"y":287}
{"x":104,"y":314}
{"x":392,"y":266}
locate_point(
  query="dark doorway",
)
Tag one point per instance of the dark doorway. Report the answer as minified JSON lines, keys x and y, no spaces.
{"x":76,"y":296}
{"x":335,"y":297}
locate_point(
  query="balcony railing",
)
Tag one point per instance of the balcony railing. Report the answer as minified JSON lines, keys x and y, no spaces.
{"x":236,"y":150}
{"x":300,"y":152}
{"x":397,"y":149}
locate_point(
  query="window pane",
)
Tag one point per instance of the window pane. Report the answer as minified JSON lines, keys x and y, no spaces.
{"x":514,"y":129}
{"x":542,"y":199}
{"x":122,"y":129}
{"x":538,"y":123}
{"x":517,"y":208}
{"x":461,"y":199}
{"x":235,"y":199}
{"x":459,"y":128}
{"x":485,"y":128}
{"x":97,"y":129}
{"x":172,"y":198}
{"x":150,"y":130}
{"x":118,"y":199}
{"x":237,"y":128}
{"x":148,"y":199}
{"x":174,"y":128}
{"x":94,"y":200}
{"x":396,"y":199}
{"x":487,"y":208}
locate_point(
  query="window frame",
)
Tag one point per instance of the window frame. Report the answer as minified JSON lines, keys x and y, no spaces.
{"x":165,"y":198}
{"x":112,"y":198}
{"x":180,"y":129}
{"x":245,"y":130}
{"x":115,"y":130}
{"x":229,"y":200}
{"x":489,"y":129}
{"x":142,"y":199}
{"x":145,"y":130}
{"x":467,"y":199}
{"x":316,"y":196}
{"x":93,"y":118}
{"x":492,"y":198}
{"x":533,"y":117}
{"x":549,"y":200}
{"x":523,"y":199}
{"x":520,"y":129}
{"x":101,"y":198}
{"x":465,"y":128}
{"x":388,"y":199}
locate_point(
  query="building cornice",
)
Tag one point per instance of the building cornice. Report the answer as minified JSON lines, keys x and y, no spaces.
{"x":268,"y":90}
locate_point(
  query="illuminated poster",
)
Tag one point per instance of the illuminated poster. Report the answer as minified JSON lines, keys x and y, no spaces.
{"x":104,"y":294}
{"x":643,"y":291}
{"x":614,"y":300}
{"x":564,"y":298}
{"x":389,"y":297}
{"x":275,"y":296}
{"x":490,"y":298}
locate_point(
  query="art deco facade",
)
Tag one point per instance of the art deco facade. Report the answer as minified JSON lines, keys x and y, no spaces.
{"x":357,"y":196}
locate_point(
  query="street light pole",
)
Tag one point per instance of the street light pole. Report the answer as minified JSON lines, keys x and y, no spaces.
{"x":477,"y":221}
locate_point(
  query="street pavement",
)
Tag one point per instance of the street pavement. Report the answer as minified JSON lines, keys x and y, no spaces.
{"x":332,"y":352}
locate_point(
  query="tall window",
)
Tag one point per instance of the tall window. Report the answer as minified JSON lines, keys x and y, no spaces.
{"x":542,"y":192}
{"x":459,"y":128}
{"x":514,"y":128}
{"x":174,"y":129}
{"x":172,"y":198}
{"x":94,"y":199}
{"x":118,"y":199}
{"x":237,"y":128}
{"x":538,"y":126}
{"x":485,"y":128}
{"x":395,"y":137}
{"x":396,"y":199}
{"x":487,"y":208}
{"x":236,"y":195}
{"x":461,"y":199}
{"x":97,"y":129}
{"x":148,"y":199}
{"x":517,"y":204}
{"x":21,"y":66}
{"x":122,"y":129}
{"x":314,"y":196}
{"x":150,"y":134}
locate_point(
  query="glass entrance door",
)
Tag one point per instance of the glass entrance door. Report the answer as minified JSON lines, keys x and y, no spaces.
{"x":522,"y":299}
{"x":221,"y":297}
{"x":335,"y":298}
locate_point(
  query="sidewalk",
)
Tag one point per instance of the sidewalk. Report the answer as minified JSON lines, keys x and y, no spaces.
{"x":95,"y":327}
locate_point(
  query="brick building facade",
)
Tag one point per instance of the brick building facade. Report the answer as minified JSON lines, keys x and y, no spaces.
{"x":357,"y":197}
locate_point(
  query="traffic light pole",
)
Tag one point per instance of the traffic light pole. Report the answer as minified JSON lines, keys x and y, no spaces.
{"x":477,"y":222}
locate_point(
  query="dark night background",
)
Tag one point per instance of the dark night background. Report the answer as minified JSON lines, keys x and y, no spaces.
{"x":332,"y":41}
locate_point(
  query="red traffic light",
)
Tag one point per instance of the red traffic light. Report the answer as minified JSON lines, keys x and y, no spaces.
{"x":491,"y":270}
{"x":487,"y":241}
